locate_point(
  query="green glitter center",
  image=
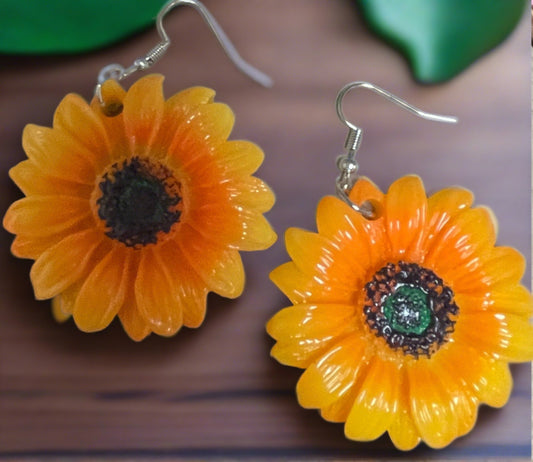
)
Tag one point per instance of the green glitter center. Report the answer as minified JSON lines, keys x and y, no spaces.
{"x":408,"y":311}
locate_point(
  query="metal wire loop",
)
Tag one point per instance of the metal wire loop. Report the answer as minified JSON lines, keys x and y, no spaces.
{"x":118,"y":72}
{"x":346,"y":163}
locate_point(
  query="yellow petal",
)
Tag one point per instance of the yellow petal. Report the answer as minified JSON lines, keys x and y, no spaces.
{"x":190,"y":98}
{"x":103,"y":293}
{"x":143,"y":113}
{"x":59,"y":154}
{"x":500,"y":335}
{"x":63,"y":304}
{"x":33,"y":181}
{"x":156,"y":294}
{"x":462,"y":246}
{"x":514,"y":299}
{"x":220,"y":268}
{"x":65,"y":263}
{"x":74,"y":119}
{"x":305,"y":331}
{"x":301,"y":288}
{"x":444,"y":206}
{"x":211,"y":123}
{"x":240,"y":157}
{"x":37,"y":215}
{"x":376,"y":404}
{"x":251,"y":192}
{"x":405,"y":214}
{"x":430,"y":406}
{"x":339,"y":410}
{"x":58,"y":311}
{"x":190,"y":290}
{"x":332,"y":375}
{"x":112,"y":95}
{"x":132,"y":321}
{"x":321,"y":259}
{"x":402,"y":431}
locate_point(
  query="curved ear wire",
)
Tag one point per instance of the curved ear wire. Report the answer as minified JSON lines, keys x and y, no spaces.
{"x":118,"y":72}
{"x":347,"y":164}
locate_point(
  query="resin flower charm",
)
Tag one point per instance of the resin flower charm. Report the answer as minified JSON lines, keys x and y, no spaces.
{"x":405,"y":323}
{"x":138,"y":212}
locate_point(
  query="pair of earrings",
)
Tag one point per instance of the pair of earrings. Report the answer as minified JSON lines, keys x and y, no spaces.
{"x":405,"y":314}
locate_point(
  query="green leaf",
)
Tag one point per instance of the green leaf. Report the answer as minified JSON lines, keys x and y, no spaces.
{"x":440,"y":38}
{"x":60,"y":26}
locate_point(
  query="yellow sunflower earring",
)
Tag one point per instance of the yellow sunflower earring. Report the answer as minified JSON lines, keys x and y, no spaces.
{"x":137,"y":206}
{"x":405,"y":314}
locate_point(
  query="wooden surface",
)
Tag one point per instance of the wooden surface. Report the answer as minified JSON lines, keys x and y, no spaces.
{"x":214,"y":391}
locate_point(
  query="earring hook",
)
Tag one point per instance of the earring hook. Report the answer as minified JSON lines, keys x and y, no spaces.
{"x":347,"y":164}
{"x":118,"y":72}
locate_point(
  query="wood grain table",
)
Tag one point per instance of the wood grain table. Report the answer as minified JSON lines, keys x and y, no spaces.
{"x":215,"y":392}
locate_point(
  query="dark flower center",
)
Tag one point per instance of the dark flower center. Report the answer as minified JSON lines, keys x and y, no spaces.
{"x":410,"y":307}
{"x":140,"y":200}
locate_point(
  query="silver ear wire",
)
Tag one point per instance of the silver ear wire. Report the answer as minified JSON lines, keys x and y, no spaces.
{"x":118,"y":72}
{"x":347,"y":164}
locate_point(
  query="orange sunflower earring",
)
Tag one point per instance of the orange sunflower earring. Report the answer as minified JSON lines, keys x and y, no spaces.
{"x":137,"y":206}
{"x":405,"y":314}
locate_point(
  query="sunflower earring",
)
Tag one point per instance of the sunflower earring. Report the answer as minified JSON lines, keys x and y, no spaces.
{"x":137,"y":206}
{"x":405,"y":314}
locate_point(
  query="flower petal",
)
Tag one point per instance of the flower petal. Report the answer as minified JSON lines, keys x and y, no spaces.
{"x":332,"y":375}
{"x":405,"y":213}
{"x":443,"y":207}
{"x":251,"y":192}
{"x":156,"y":294}
{"x":143,"y":112}
{"x":103,"y":293}
{"x":462,"y":246}
{"x":63,"y":304}
{"x":402,"y":431}
{"x":303,"y":331}
{"x":65,"y":263}
{"x":32,"y":181}
{"x":211,"y":123}
{"x":239,"y":157}
{"x":431,"y":406}
{"x":376,"y":404}
{"x":514,"y":299}
{"x":220,"y":268}
{"x":60,"y":155}
{"x":75,"y":120}
{"x":38,"y":215}
{"x":320,"y":258}
{"x":191,"y":291}
{"x":500,"y":335}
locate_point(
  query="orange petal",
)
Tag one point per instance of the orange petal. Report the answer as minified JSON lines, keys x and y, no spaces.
{"x":376,"y":404}
{"x":156,"y":294}
{"x":251,"y":192}
{"x":514,"y":299}
{"x":65,"y":263}
{"x":363,"y":190}
{"x":332,"y":375}
{"x":220,"y":268}
{"x":32,"y":181}
{"x":345,"y":227}
{"x":303,"y":331}
{"x":431,"y":407}
{"x":191,"y":291}
{"x":75,"y":120}
{"x":402,"y":431}
{"x":500,"y":335}
{"x":143,"y":112}
{"x":190,"y":98}
{"x":444,"y":206}
{"x":240,"y":228}
{"x":321,"y":259}
{"x":32,"y":246}
{"x":212,"y":123}
{"x":63,"y":304}
{"x":301,"y":288}
{"x":112,"y":95}
{"x":239,"y":157}
{"x":405,"y":214}
{"x":132,"y":321}
{"x":462,"y":246}
{"x":104,"y":291}
{"x":59,"y":154}
{"x":36,"y":215}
